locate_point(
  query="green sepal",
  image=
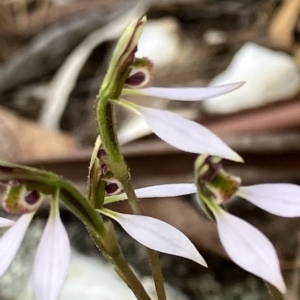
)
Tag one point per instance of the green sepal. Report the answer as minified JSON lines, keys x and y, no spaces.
{"x":122,"y":58}
{"x":96,"y":186}
{"x":100,"y":176}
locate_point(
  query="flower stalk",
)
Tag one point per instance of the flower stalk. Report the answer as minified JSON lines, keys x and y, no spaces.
{"x":113,"y":253}
{"x":152,"y":255}
{"x":118,"y":72}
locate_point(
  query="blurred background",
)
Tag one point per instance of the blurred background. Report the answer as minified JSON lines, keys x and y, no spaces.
{"x":53,"y":57}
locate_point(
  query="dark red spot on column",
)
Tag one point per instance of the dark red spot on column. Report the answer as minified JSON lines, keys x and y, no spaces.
{"x":32,"y":198}
{"x":136,"y":79}
{"x":111,"y":188}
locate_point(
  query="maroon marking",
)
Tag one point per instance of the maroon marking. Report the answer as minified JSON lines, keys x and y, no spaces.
{"x":101,"y":152}
{"x":32,"y":198}
{"x":136,"y":79}
{"x":111,"y":188}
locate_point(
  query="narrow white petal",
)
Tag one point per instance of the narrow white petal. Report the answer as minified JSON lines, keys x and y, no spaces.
{"x":185,"y":135}
{"x":190,"y":94}
{"x":6,"y":222}
{"x":11,"y":241}
{"x":249,"y":248}
{"x":51,"y":261}
{"x":164,"y":190}
{"x":281,"y":199}
{"x":159,"y":236}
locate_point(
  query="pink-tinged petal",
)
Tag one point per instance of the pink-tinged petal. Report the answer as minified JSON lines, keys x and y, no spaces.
{"x":186,"y":94}
{"x":281,"y":199}
{"x":164,"y":190}
{"x":11,"y":241}
{"x":249,"y":248}
{"x":51,"y":261}
{"x":159,"y":236}
{"x":6,"y":222}
{"x":184,"y":134}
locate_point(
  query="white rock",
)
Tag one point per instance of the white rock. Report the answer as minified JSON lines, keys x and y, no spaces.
{"x":172,"y":293}
{"x":269,"y":76}
{"x":89,"y":278}
{"x":160,"y":41}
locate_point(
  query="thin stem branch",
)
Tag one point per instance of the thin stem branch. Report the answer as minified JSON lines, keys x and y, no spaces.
{"x":153,"y":255}
{"x":157,"y":274}
{"x":121,"y":266}
{"x":132,"y":281}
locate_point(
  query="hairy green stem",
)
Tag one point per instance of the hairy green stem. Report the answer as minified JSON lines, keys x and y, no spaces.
{"x":119,"y":168}
{"x":111,"y":89}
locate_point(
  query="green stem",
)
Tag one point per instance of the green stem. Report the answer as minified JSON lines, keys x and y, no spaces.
{"x":54,"y":206}
{"x":111,"y":89}
{"x":114,"y":255}
{"x":157,"y":274}
{"x":119,"y":169}
{"x":105,"y":241}
{"x":153,"y":255}
{"x":107,"y":130}
{"x":132,"y":281}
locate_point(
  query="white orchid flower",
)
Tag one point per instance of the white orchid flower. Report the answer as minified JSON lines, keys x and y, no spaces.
{"x":244,"y":244}
{"x":174,"y":129}
{"x":53,"y":254}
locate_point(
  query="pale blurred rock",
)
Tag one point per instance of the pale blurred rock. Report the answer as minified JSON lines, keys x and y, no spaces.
{"x":269,"y":76}
{"x":172,"y":293}
{"x":214,"y":37}
{"x":90,"y":278}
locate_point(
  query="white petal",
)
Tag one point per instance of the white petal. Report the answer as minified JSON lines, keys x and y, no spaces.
{"x":6,"y":222}
{"x":159,"y":236}
{"x":11,"y":241}
{"x":190,"y":94}
{"x":185,"y":135}
{"x":249,"y":248}
{"x":51,"y":261}
{"x":281,"y":199}
{"x":164,"y":190}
